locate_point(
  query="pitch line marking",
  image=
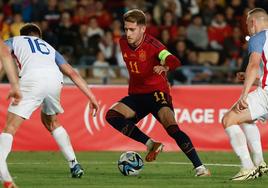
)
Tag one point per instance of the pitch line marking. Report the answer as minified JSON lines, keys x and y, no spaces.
{"x":107,"y":163}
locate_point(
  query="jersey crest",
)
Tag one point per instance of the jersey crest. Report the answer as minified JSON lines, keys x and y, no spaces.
{"x":142,"y":55}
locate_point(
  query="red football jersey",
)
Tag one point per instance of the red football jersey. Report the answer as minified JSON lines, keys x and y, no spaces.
{"x":140,"y":62}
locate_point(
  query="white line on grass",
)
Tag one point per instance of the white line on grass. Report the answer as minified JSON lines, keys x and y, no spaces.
{"x":108,"y":163}
{"x":207,"y":164}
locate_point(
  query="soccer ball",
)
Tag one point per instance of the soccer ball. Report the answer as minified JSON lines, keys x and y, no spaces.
{"x":130,"y":163}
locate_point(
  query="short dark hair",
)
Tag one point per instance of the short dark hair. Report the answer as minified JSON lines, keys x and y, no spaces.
{"x":135,"y":15}
{"x":30,"y":29}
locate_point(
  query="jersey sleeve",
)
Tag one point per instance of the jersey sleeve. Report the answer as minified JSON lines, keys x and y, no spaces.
{"x":9,"y":43}
{"x":166,"y":58}
{"x":158,"y":48}
{"x":59,"y":59}
{"x":256,"y":43}
{"x":162,"y":55}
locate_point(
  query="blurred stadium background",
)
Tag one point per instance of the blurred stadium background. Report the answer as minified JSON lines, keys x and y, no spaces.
{"x":208,"y":36}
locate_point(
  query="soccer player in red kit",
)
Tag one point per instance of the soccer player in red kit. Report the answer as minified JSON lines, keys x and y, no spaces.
{"x":147,"y":62}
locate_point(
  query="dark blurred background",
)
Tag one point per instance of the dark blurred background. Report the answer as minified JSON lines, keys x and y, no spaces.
{"x":208,"y":36}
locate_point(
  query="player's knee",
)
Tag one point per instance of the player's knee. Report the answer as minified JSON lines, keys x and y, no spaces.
{"x":223,"y":121}
{"x":50,"y":126}
{"x":166,"y":116}
{"x":49,"y":122}
{"x":113,"y":116}
{"x":227,"y":120}
{"x":119,"y":122}
{"x":10,"y":130}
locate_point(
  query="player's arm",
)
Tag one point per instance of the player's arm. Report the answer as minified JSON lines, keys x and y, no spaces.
{"x":255,"y":48}
{"x":78,"y":81}
{"x":240,"y":76}
{"x":10,"y":69}
{"x":251,"y":72}
{"x":167,"y":62}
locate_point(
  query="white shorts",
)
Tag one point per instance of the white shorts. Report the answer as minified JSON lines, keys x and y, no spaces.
{"x":258,"y":104}
{"x":37,"y":92}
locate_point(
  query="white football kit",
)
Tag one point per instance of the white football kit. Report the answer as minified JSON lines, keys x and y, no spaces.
{"x":40,"y":77}
{"x":258,"y":99}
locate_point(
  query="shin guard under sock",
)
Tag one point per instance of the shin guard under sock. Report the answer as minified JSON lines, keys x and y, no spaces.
{"x":125,"y":126}
{"x":185,"y":144}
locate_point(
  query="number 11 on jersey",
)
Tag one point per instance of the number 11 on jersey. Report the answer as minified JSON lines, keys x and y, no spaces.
{"x":134,"y":67}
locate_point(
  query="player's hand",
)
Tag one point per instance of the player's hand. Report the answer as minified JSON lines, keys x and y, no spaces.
{"x":159,"y":69}
{"x":15,"y":95}
{"x":240,"y":76}
{"x":93,"y":106}
{"x":242,"y":103}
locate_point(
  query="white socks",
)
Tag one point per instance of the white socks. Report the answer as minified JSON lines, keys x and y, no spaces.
{"x":5,"y":148}
{"x":63,"y":141}
{"x":254,"y":142}
{"x":59,"y":134}
{"x":239,"y":144}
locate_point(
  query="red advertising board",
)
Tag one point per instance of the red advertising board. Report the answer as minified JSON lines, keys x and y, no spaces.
{"x":198,"y":111}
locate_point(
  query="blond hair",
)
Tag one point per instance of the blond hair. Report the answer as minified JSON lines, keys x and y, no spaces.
{"x":135,"y":16}
{"x":258,"y":13}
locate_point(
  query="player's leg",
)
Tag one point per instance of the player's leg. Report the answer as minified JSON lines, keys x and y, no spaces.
{"x":254,"y":142}
{"x":231,"y":121}
{"x":51,"y":106}
{"x":125,"y":114}
{"x":63,"y":141}
{"x":16,"y":115}
{"x":6,"y":139}
{"x":252,"y":134}
{"x":166,"y":117}
{"x":162,"y":109}
{"x":123,"y":117}
{"x":257,"y":103}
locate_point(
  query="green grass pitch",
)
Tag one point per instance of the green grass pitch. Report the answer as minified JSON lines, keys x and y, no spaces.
{"x":172,"y":169}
